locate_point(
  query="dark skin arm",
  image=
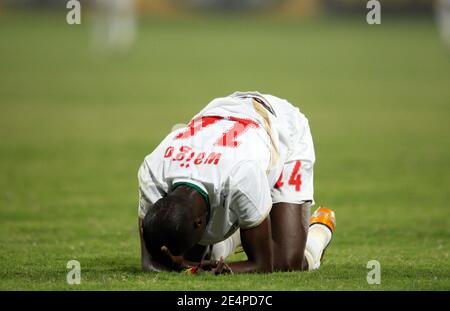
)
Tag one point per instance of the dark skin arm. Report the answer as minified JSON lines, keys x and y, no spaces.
{"x":257,"y":244}
{"x":290,"y":223}
{"x":287,"y":235}
{"x":255,"y":241}
{"x":258,"y":247}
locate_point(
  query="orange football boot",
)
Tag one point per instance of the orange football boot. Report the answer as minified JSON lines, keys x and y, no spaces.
{"x":326,"y":217}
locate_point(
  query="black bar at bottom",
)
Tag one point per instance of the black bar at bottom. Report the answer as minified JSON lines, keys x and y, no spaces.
{"x":214,"y":300}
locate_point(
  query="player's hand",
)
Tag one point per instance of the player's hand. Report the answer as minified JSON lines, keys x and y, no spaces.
{"x":222,"y":268}
{"x":216,"y":267}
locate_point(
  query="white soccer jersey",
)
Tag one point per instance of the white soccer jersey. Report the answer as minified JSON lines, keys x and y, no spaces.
{"x":235,"y":150}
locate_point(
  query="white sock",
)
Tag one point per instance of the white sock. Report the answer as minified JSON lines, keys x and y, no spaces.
{"x":318,"y":238}
{"x":226,"y":247}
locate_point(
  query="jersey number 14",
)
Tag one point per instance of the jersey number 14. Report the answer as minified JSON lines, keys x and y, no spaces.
{"x":294,"y":180}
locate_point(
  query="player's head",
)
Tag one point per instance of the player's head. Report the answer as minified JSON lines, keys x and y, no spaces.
{"x":176,"y":221}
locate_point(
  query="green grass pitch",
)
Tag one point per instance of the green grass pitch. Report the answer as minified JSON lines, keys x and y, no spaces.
{"x":74,"y":127}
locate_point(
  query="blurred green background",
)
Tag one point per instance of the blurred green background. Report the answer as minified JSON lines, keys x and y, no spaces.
{"x":76,"y":121}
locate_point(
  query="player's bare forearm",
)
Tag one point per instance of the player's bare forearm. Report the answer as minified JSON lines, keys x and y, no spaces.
{"x":249,"y":267}
{"x":289,"y":224}
{"x":257,"y":244}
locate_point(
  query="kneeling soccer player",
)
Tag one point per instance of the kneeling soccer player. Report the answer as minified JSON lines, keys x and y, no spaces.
{"x":240,"y":173}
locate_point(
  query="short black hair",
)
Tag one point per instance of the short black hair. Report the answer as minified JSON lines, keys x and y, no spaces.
{"x":169,"y":222}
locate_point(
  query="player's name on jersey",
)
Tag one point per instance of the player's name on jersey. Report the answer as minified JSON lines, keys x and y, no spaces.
{"x":187,"y":156}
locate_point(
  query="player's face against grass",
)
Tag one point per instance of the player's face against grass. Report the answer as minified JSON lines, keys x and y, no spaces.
{"x":74,"y":129}
{"x":173,"y":253}
{"x":175,"y":223}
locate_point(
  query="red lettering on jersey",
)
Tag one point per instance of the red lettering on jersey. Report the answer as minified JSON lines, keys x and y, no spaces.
{"x":213,"y":157}
{"x":169,"y":152}
{"x":279,"y":182}
{"x":199,"y":158}
{"x":294,"y":180}
{"x":229,"y":138}
{"x":189,"y":158}
{"x":183,"y":151}
{"x":196,"y":125}
{"x":296,"y":177}
{"x":186,"y":155}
